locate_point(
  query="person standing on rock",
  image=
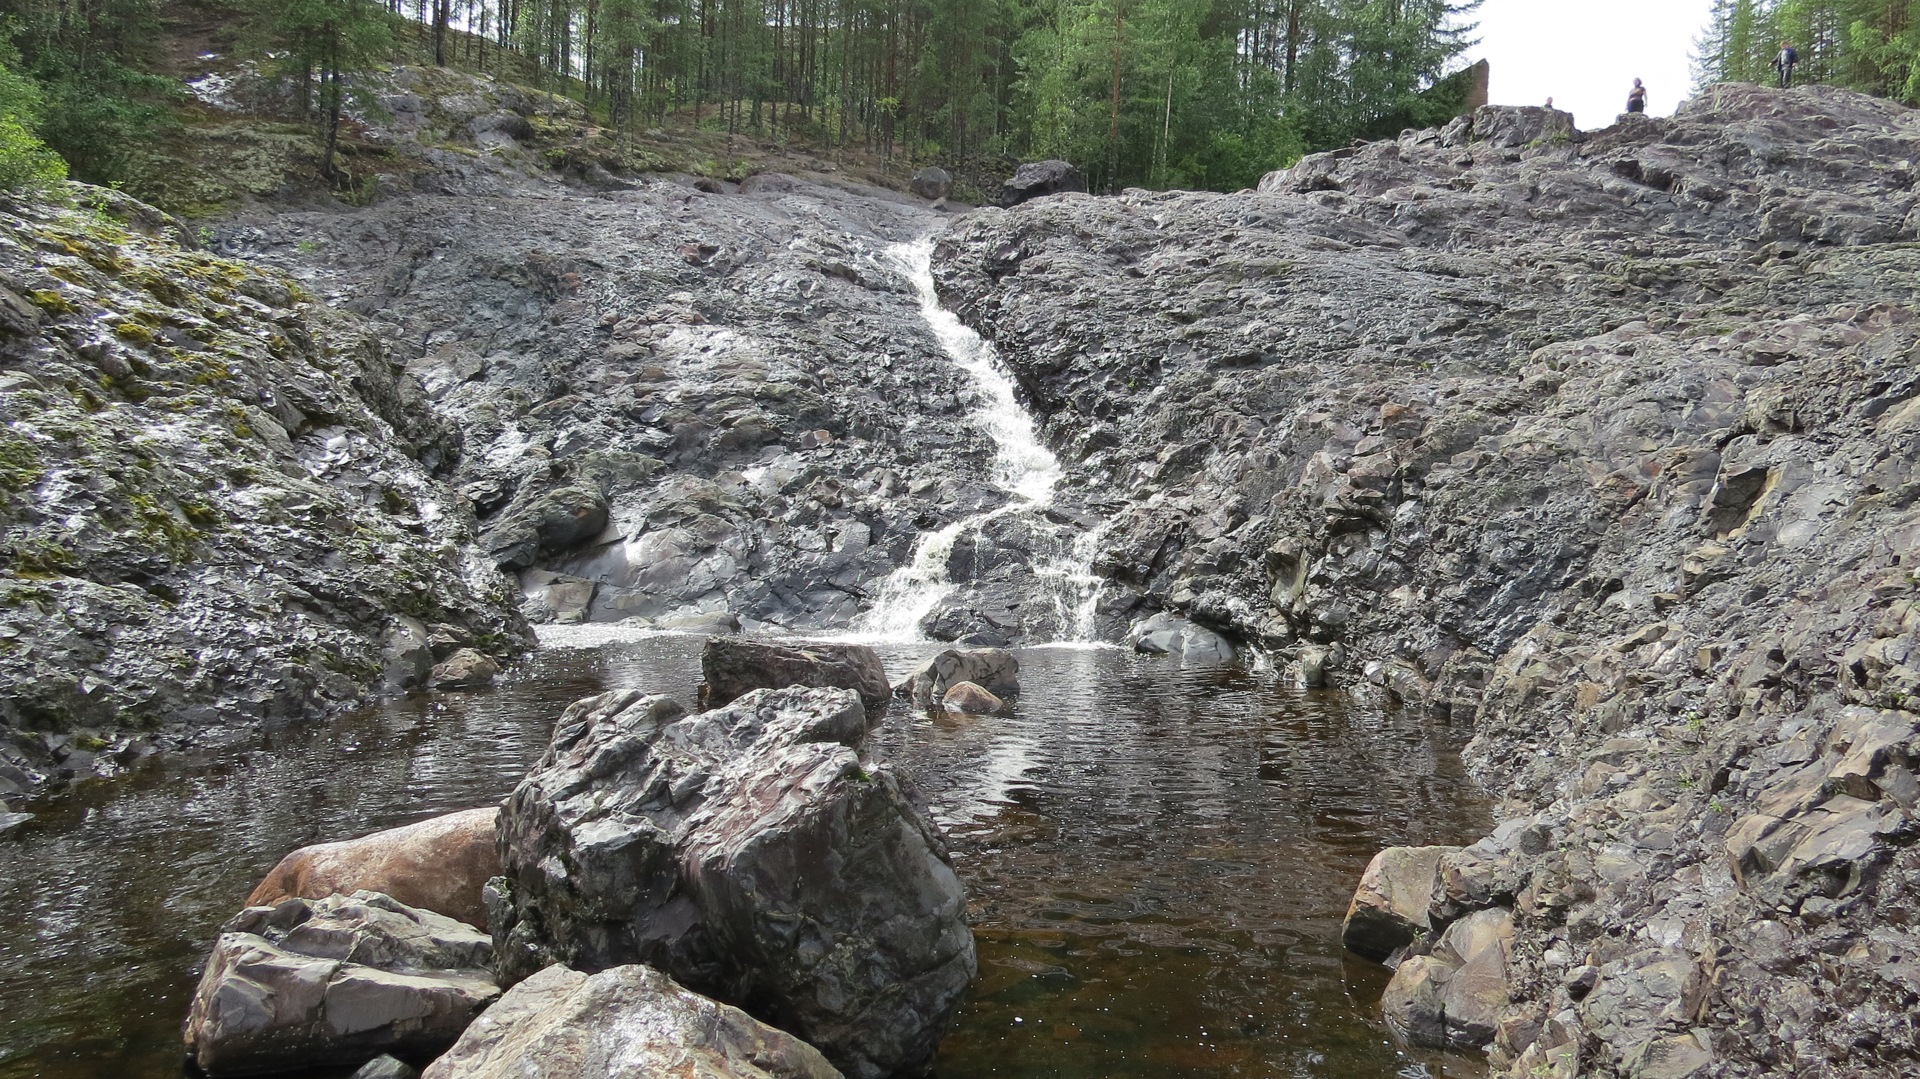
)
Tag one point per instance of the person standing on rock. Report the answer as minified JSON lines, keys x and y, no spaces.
{"x":1783,"y":62}
{"x":1637,"y":97}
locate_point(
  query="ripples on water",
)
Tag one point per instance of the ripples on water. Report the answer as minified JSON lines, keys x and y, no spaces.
{"x":1158,"y":860}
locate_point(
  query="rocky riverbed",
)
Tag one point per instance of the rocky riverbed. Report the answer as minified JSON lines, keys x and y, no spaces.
{"x":1601,"y":442}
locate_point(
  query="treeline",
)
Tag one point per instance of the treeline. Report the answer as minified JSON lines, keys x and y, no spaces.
{"x":1867,"y":45}
{"x":1163,"y":93}
{"x":1198,"y":93}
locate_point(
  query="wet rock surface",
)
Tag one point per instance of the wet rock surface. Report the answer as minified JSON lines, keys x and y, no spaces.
{"x":730,"y":669}
{"x":338,"y":981}
{"x":221,"y":502}
{"x":752,"y":855}
{"x":1601,"y":442}
{"x":677,"y":404}
{"x":993,"y":670}
{"x":630,"y":1020}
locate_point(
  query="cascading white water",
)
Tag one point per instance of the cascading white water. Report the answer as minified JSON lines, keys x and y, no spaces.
{"x":1074,"y":588}
{"x":1024,"y":468}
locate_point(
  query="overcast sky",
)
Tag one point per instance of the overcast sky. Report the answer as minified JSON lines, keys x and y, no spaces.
{"x":1585,"y":55}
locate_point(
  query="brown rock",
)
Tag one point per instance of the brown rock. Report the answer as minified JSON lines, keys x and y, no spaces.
{"x":1389,"y":909}
{"x":969,"y":699}
{"x":437,"y":865}
{"x":465,"y":669}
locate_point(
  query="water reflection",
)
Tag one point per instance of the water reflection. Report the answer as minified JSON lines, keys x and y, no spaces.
{"x":1158,"y":859}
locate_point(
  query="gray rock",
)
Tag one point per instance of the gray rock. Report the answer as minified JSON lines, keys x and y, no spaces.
{"x":407,"y":658}
{"x":1453,"y":998}
{"x":995,"y":670}
{"x":1170,"y":635}
{"x":695,"y":844}
{"x":11,"y":821}
{"x":1039,"y":178}
{"x":931,"y":183}
{"x":730,"y":668}
{"x":627,"y":1020}
{"x":386,"y":1067}
{"x":336,"y":981}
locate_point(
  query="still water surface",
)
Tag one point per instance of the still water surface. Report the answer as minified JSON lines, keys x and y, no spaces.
{"x":1158,"y":860}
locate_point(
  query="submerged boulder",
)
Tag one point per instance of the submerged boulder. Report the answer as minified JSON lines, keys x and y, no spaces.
{"x":995,"y":670}
{"x":339,"y":981}
{"x":629,"y":1020}
{"x":749,"y":853}
{"x":731,"y":667}
{"x":1037,"y":178}
{"x":437,"y":865}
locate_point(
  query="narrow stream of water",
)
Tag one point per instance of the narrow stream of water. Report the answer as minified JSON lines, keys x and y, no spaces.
{"x":1158,"y":859}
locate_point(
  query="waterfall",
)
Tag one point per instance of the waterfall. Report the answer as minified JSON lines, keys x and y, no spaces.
{"x":1024,"y":469}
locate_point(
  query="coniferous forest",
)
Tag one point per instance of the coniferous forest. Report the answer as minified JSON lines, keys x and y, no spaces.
{"x":1868,"y":45}
{"x":1161,"y":93}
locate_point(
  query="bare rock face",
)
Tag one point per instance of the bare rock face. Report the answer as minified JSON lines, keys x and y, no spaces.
{"x":340,"y":981}
{"x":1170,"y":635}
{"x":731,"y":667}
{"x":697,"y":845}
{"x":995,"y":670}
{"x":623,"y":1021}
{"x":1601,"y":442}
{"x":1037,"y":178}
{"x":437,"y":865}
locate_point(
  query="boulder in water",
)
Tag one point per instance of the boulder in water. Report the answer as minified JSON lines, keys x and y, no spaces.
{"x":1390,"y":907}
{"x":751,"y":854}
{"x":305,"y":984}
{"x":1452,"y":998}
{"x":1037,"y":178}
{"x":437,"y":865}
{"x":994,"y":670}
{"x":1170,"y":635}
{"x":465,"y":669}
{"x":386,"y":1067}
{"x":966,"y":698}
{"x":730,"y":667}
{"x":930,"y":183}
{"x":626,"y":1020}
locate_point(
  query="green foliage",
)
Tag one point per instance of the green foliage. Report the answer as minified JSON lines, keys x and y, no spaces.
{"x":316,"y":48}
{"x":25,"y":161}
{"x":87,"y":64}
{"x":1867,"y":45}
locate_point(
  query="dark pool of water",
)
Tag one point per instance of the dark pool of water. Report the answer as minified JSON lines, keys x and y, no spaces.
{"x":1158,"y":860}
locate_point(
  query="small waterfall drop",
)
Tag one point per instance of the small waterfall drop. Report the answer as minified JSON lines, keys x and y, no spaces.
{"x":1024,"y":468}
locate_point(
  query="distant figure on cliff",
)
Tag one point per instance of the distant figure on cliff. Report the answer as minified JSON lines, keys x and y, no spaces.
{"x":1783,"y":63}
{"x":1637,"y":97}
{"x":1549,"y":103}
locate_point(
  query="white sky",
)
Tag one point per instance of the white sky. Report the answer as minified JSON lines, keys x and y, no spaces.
{"x":1585,"y":54}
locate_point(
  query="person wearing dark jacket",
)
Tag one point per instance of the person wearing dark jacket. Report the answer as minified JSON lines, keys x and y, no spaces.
{"x":1783,"y":62}
{"x":1637,"y":97}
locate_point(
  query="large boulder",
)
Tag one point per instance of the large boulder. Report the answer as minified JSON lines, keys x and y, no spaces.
{"x":751,"y":854}
{"x":336,"y":982}
{"x":995,"y":670}
{"x":1170,"y":635}
{"x":437,"y":865}
{"x":631,"y":1020}
{"x":931,"y":183}
{"x":1037,"y":178}
{"x":732,"y":667}
{"x":965,"y":698}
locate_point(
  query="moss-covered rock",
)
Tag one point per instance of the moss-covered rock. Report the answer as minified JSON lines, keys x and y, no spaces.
{"x":215,"y":496}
